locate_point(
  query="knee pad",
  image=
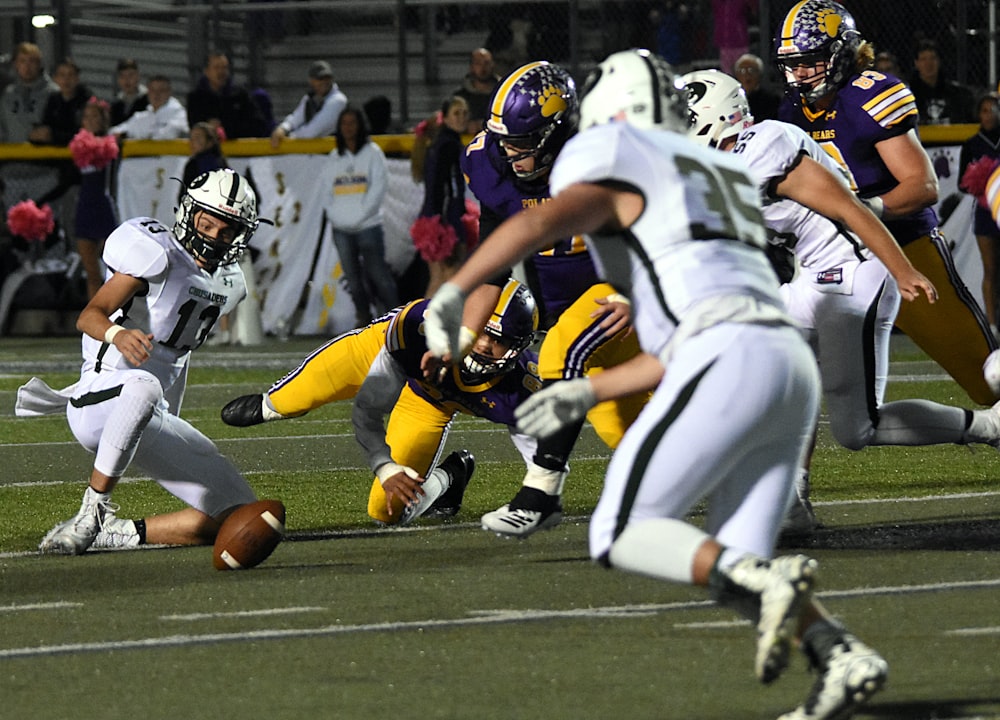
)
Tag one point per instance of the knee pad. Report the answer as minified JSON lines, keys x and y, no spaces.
{"x":134,"y":409}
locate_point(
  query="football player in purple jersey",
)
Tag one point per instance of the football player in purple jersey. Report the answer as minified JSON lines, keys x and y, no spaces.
{"x":401,"y":420}
{"x":532,"y":114}
{"x":867,"y":121}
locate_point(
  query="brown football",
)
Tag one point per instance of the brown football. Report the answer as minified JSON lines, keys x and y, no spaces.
{"x":249,"y":535}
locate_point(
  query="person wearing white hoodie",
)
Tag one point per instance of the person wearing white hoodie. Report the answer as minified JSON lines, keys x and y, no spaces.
{"x":164,"y":118}
{"x":357,"y":178}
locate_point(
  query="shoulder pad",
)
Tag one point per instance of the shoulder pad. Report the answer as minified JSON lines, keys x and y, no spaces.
{"x":137,"y":247}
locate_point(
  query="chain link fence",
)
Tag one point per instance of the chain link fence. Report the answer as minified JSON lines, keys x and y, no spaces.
{"x":415,"y":52}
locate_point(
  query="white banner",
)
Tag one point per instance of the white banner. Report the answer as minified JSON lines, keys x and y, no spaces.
{"x":298,"y":273}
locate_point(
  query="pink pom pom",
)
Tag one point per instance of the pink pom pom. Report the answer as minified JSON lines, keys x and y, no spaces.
{"x":975,"y":176}
{"x":27,"y":220}
{"x":90,"y":150}
{"x":434,"y":240}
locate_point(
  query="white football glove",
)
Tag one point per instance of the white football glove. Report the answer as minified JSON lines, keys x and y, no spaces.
{"x":552,"y":408}
{"x":443,"y":322}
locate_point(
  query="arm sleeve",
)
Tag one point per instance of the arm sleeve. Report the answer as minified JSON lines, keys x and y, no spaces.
{"x":375,"y":400}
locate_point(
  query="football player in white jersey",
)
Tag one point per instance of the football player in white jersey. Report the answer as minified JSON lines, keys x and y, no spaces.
{"x":847,"y":291}
{"x":679,"y":232}
{"x":164,"y":292}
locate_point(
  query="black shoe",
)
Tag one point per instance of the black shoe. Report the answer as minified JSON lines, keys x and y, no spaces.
{"x":459,"y":465}
{"x":244,"y":411}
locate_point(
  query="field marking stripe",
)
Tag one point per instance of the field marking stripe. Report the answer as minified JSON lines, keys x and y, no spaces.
{"x":243,"y":613}
{"x":40,"y":606}
{"x":480,"y":617}
{"x":974,"y":631}
{"x":911,"y":589}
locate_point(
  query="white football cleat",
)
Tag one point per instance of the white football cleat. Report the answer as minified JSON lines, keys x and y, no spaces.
{"x":853,"y":673}
{"x":784,"y":586}
{"x":75,"y":535}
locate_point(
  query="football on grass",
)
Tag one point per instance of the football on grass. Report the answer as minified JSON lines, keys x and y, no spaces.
{"x":249,"y":535}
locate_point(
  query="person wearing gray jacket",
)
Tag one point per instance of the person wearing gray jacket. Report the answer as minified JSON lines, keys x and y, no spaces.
{"x":23,"y":100}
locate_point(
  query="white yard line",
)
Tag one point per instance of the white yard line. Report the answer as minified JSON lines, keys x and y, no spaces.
{"x":476,"y":618}
{"x":243,"y":613}
{"x":39,"y":606}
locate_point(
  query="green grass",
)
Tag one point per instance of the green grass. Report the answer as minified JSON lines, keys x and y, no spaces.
{"x":446,"y":621}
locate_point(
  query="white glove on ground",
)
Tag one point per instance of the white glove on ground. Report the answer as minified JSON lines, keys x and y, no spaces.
{"x":552,"y":408}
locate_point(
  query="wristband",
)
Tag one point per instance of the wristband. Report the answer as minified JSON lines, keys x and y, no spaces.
{"x":387,"y":470}
{"x":109,"y":334}
{"x":876,"y":205}
{"x":466,"y":339}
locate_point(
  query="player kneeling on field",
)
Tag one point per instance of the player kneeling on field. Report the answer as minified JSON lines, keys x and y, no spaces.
{"x":165,"y":293}
{"x":380,"y":366}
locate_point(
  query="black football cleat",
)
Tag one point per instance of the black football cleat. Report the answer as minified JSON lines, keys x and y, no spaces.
{"x":459,"y":465}
{"x":248,"y":410}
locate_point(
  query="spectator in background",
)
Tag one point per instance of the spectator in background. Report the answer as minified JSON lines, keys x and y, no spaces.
{"x":887,"y":64}
{"x":985,"y":143}
{"x":357,"y":179}
{"x":732,"y":20}
{"x":6,"y":71}
{"x":477,"y":87}
{"x":939,"y":101}
{"x":206,"y":153}
{"x":132,"y":94}
{"x":64,"y":108}
{"x":265,"y":106}
{"x":216,"y":99}
{"x":764,"y":102}
{"x":23,"y":100}
{"x":317,"y":113}
{"x":164,"y":118}
{"x":378,"y":110}
{"x":669,"y":21}
{"x":439,"y":233}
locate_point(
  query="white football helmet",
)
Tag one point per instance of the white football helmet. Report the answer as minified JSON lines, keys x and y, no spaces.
{"x":224,"y":194}
{"x":718,"y":105}
{"x":638,"y":87}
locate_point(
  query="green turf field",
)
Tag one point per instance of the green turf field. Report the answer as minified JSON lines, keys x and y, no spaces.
{"x":447,"y":621}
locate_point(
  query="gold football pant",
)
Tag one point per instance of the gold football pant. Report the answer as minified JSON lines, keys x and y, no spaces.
{"x":416,"y":434}
{"x":576,"y":347}
{"x":953,"y":331}
{"x":416,"y":429}
{"x":332,"y":372}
